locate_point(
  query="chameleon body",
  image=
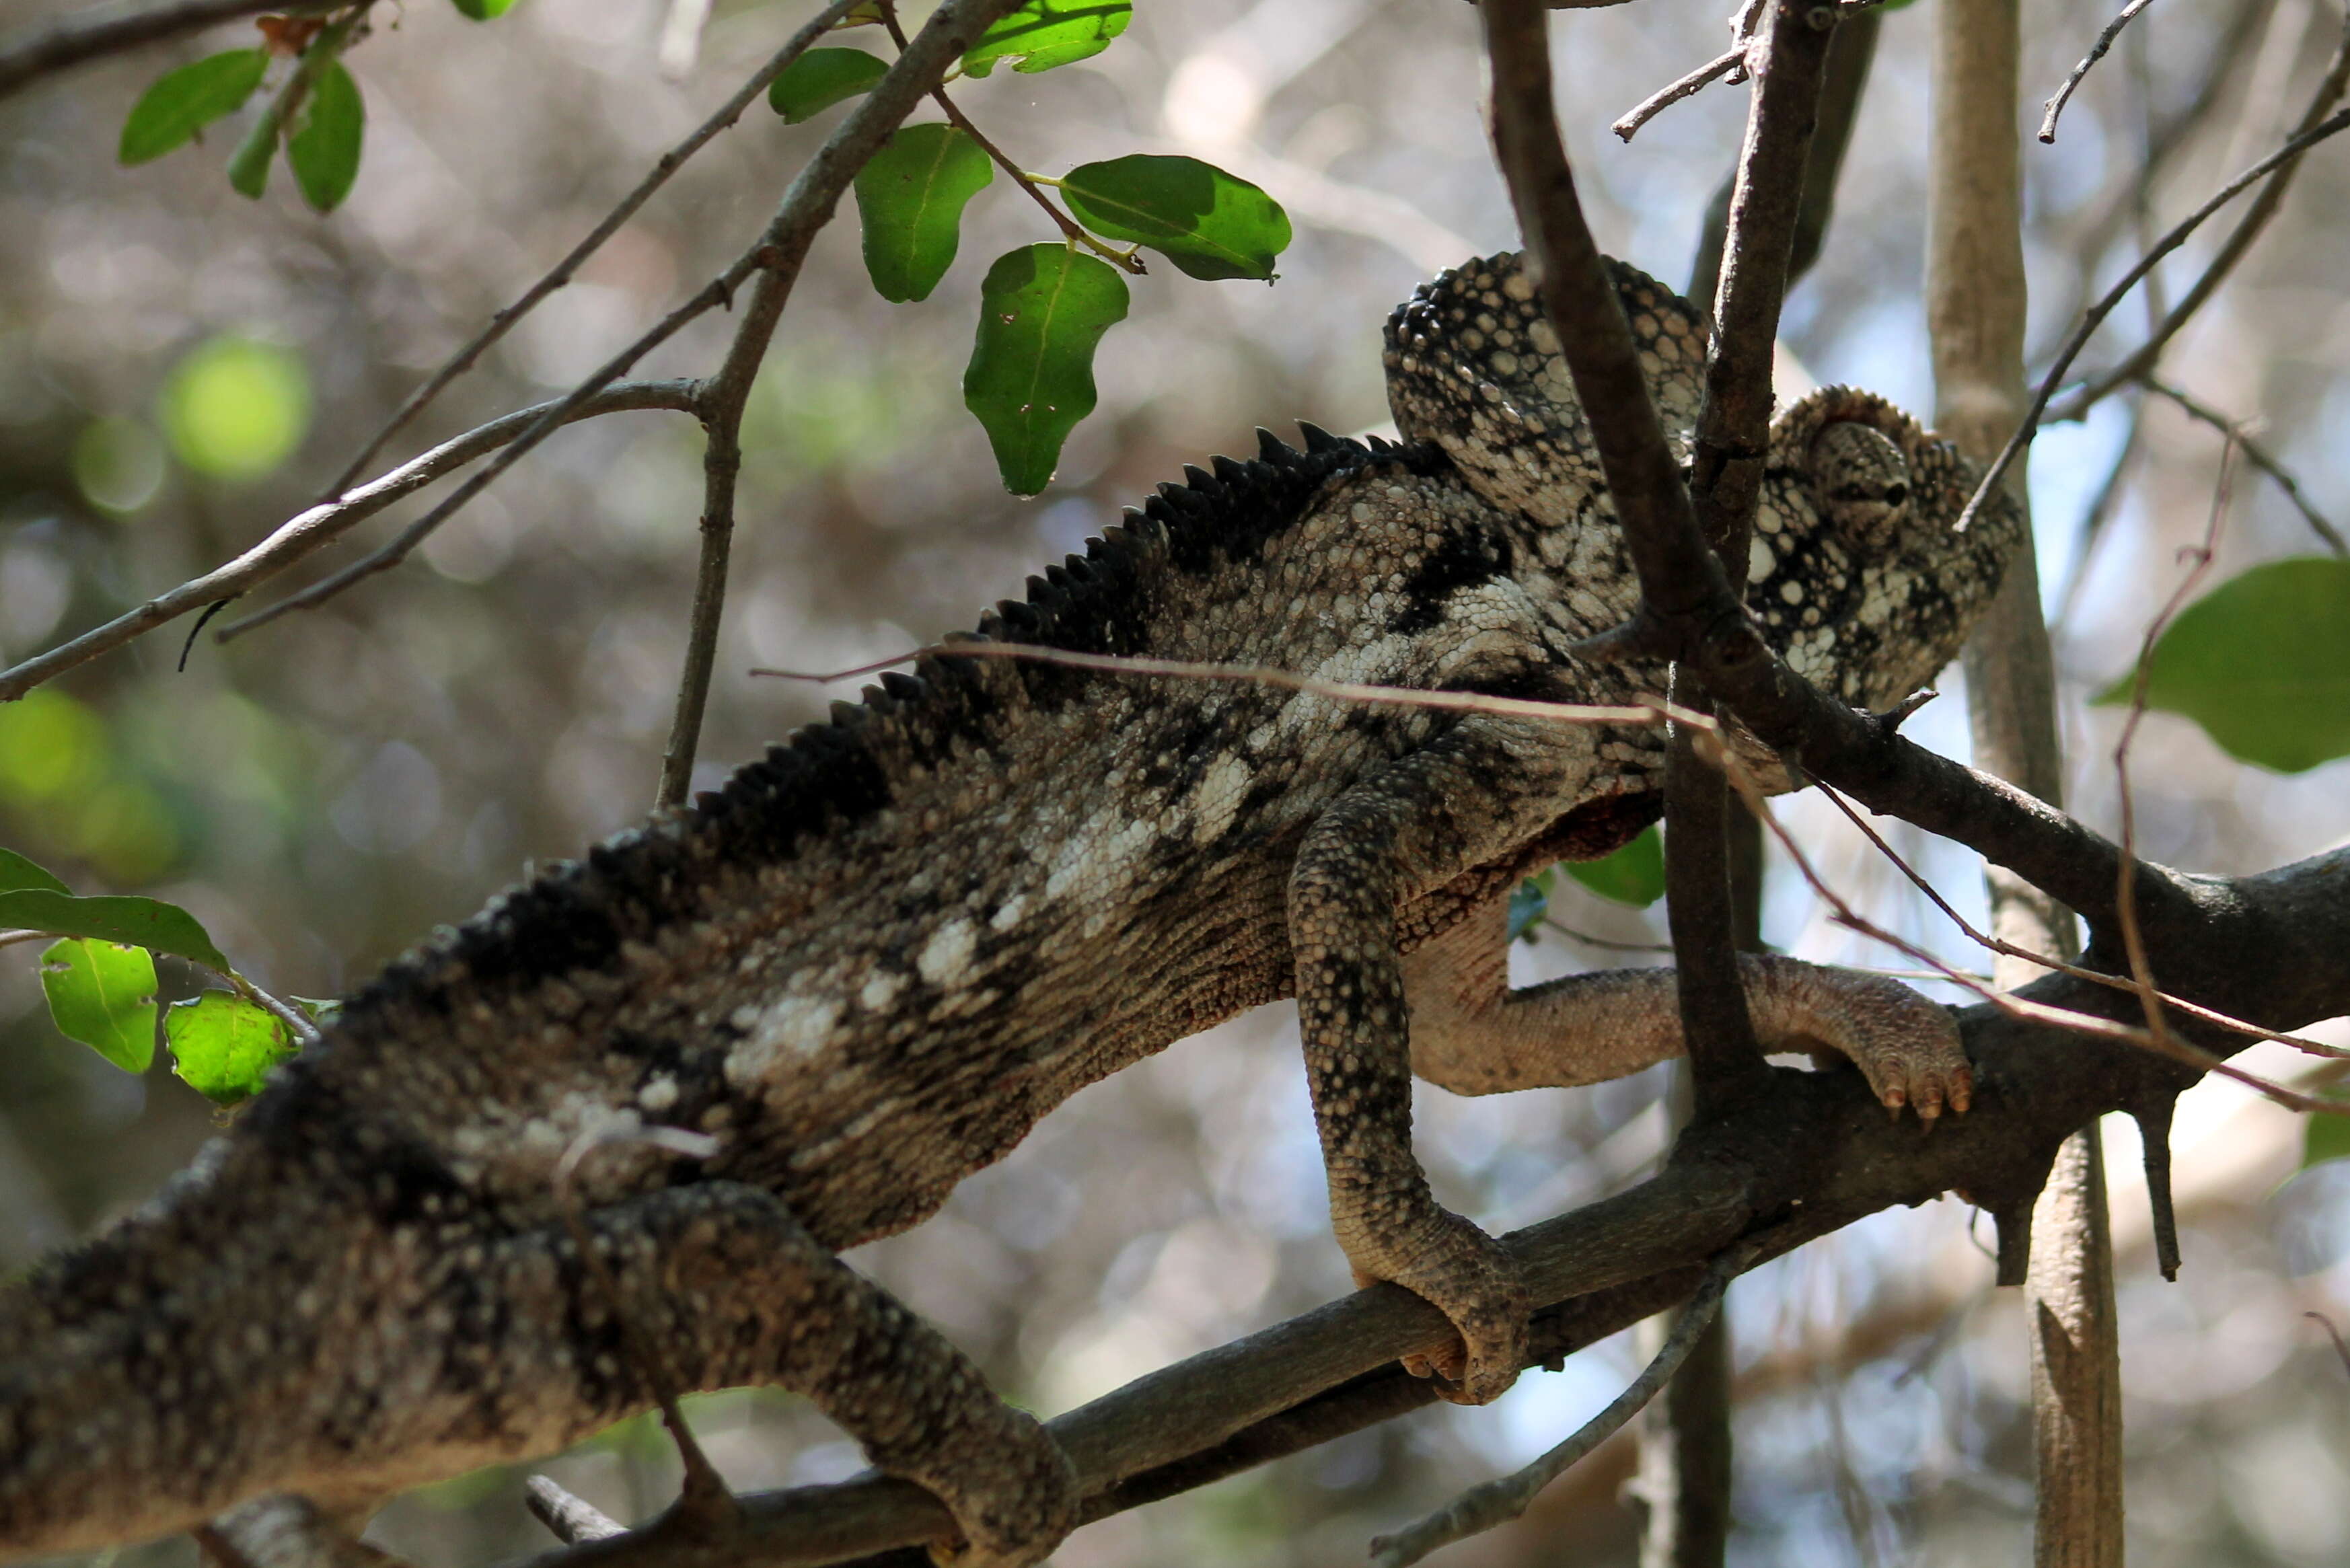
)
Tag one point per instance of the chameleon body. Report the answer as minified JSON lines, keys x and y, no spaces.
{"x":871,"y":961}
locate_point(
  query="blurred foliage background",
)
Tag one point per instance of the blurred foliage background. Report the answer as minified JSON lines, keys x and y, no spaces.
{"x":180,"y":369}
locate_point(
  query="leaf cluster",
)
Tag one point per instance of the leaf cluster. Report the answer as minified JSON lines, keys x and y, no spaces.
{"x":1044,"y":308}
{"x":316,"y":115}
{"x":99,"y":980}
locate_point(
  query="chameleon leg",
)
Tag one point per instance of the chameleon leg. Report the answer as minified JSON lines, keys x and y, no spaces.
{"x":1405,"y":829}
{"x":725,"y":1282}
{"x":1472,"y":1035}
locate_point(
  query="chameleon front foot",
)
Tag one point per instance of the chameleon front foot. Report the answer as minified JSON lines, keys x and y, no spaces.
{"x":1468,"y":1276}
{"x":1905,"y":1045}
{"x":1027,"y":1504}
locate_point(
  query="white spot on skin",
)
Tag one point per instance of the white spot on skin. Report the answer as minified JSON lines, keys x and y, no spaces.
{"x":1218,"y":799}
{"x":1791,"y":591}
{"x":1760,"y":562}
{"x":881,"y":991}
{"x":657,"y":1094}
{"x":945,"y":959}
{"x":1009,"y":915}
{"x":794,"y":1027}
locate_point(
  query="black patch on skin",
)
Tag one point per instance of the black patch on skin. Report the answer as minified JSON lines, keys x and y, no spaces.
{"x":1463,"y":561}
{"x":575,"y":919}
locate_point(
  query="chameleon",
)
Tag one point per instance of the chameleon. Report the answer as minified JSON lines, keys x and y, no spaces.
{"x":869,"y":963}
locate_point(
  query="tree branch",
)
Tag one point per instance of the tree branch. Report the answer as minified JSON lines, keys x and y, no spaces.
{"x":2141,"y":360}
{"x":2095,"y":315}
{"x":95,"y":31}
{"x":806,"y":207}
{"x":2063,"y":95}
{"x":774,"y":259}
{"x":300,"y":537}
{"x":1812,"y":1155}
{"x":668,"y":163}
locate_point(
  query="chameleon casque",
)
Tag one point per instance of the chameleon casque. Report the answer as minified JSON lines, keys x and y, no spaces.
{"x":871,"y":961}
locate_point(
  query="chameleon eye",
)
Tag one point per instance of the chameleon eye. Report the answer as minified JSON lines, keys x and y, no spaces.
{"x":1862,"y":481}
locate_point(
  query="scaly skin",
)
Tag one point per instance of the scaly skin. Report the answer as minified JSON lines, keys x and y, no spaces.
{"x":869,"y":963}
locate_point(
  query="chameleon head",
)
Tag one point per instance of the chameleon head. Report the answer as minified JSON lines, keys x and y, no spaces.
{"x":1855,"y":569}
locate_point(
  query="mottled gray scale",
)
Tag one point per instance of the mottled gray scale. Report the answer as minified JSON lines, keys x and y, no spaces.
{"x":869,"y":964}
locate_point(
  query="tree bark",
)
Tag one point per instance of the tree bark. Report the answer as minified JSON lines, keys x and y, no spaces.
{"x":1975,"y":294}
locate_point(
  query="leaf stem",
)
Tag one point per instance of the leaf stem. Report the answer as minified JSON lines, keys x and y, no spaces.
{"x":248,"y":166}
{"x":1125,"y":260}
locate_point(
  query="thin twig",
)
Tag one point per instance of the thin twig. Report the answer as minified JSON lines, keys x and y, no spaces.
{"x":2149,"y":166}
{"x":10,"y":938}
{"x":2334,"y":1333}
{"x":1496,"y":1502}
{"x":1690,"y":86}
{"x":571,"y":1520}
{"x":774,"y":259}
{"x":301,"y":536}
{"x":2141,"y":360}
{"x":2096,"y":52}
{"x":2096,"y":313}
{"x":1649,"y":713}
{"x":572,"y":405}
{"x":805,"y":208}
{"x":2256,"y":454}
{"x":94,"y":31}
{"x":2008,"y":1003}
{"x":305,"y":1034}
{"x":668,"y":163}
{"x":2058,"y":966}
{"x":2126,"y":874}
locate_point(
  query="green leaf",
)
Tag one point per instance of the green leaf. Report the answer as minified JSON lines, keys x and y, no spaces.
{"x":484,"y":10}
{"x":1634,"y":874}
{"x":1529,"y":903}
{"x":910,"y":198}
{"x":319,"y":1009}
{"x":1042,"y":312}
{"x":142,"y":922}
{"x":324,"y":150}
{"x":2262,"y":662}
{"x":169,"y":113}
{"x":820,"y":78}
{"x":2325,"y":1137}
{"x":224,"y":1045}
{"x":104,"y":996}
{"x":1043,"y":34}
{"x":248,"y":166}
{"x":236,"y":409}
{"x":17,"y":873}
{"x":1210,"y":223}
